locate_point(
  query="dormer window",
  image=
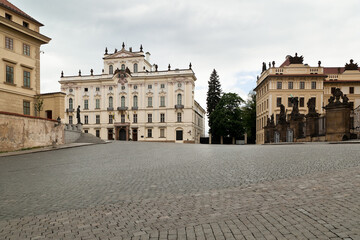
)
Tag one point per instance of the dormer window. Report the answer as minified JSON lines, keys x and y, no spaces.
{"x":122,"y":66}
{"x":8,"y":16}
{"x":149,"y":86}
{"x":135,"y":68}
{"x":97,"y":89}
{"x":26,"y":24}
{"x":111,"y":69}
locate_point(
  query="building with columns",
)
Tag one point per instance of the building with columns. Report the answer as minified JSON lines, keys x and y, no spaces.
{"x":133,"y":100}
{"x":293,"y":78}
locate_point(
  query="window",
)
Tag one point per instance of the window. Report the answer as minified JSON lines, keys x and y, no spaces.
{"x":302,"y":102}
{"x":26,"y":49}
{"x":26,"y":79}
{"x":290,"y":85}
{"x":71,"y":103}
{"x":86,"y":104}
{"x":71,"y":90}
{"x":9,"y":43}
{"x":26,"y":107}
{"x":149,"y":101}
{"x":70,"y":119}
{"x":26,"y":24}
{"x":111,"y":102}
{"x":179,"y":135}
{"x":289,"y":102}
{"x":97,"y":103}
{"x":110,"y":88}
{"x":179,"y":99}
{"x":149,"y":86}
{"x":135,"y":101}
{"x":351,"y":90}
{"x":179,"y":85}
{"x":149,"y":118}
{"x":122,"y":102}
{"x":279,"y":85}
{"x":122,"y":118}
{"x":179,"y":117}
{"x":135,"y":68}
{"x":313,"y":85}
{"x":97,"y":89}
{"x":86,"y":131}
{"x":162,"y":101}
{"x":9,"y":74}
{"x":97,"y":119}
{"x":135,"y":86}
{"x":111,"y":69}
{"x":111,"y":117}
{"x":149,"y":133}
{"x":122,"y":66}
{"x":122,"y":87}
{"x":86,"y":89}
{"x":162,"y":132}
{"x":86,"y":119}
{"x":135,"y":118}
{"x":97,"y":133}
{"x":162,"y":117}
{"x":162,"y":85}
{"x":302,"y":85}
{"x":278,"y":102}
{"x":8,"y":16}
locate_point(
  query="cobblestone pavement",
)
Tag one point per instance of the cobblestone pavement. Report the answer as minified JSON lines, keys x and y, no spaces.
{"x":171,"y":191}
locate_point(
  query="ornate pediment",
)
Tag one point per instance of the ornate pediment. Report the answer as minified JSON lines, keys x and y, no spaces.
{"x":296,"y":59}
{"x":351,"y":65}
{"x":123,"y":54}
{"x":121,"y":76}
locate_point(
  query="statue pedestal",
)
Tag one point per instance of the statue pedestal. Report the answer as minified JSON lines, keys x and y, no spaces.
{"x":282,"y":130}
{"x":297,"y":127}
{"x":79,"y":127}
{"x":338,"y":122}
{"x":312,"y":126}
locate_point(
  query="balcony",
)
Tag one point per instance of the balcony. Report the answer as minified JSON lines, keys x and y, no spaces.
{"x":122,"y":108}
{"x":134,"y":108}
{"x":110,"y":109}
{"x":179,"y":106}
{"x":70,"y":110}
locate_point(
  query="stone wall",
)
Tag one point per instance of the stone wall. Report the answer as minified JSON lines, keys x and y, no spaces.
{"x":72,"y":132}
{"x":18,"y":131}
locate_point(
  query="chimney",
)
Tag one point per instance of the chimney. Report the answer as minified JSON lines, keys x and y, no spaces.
{"x":147,"y":58}
{"x":130,"y":49}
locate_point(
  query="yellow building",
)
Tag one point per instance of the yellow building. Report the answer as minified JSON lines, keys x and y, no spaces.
{"x":20,"y":42}
{"x":293,"y":78}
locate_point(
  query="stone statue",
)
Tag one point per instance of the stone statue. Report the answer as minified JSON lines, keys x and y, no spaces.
{"x":351,"y":65}
{"x":78,"y":115}
{"x":319,"y":63}
{"x":268,"y":122}
{"x":269,"y":64}
{"x":263,"y":67}
{"x":345,"y":99}
{"x":272,"y":122}
{"x":273,"y":63}
{"x":296,"y":59}
{"x":337,"y":94}
{"x":295,"y":103}
{"x":282,"y":115}
{"x":311,"y":104}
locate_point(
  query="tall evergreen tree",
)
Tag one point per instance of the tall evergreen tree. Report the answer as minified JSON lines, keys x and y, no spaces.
{"x":249,"y":117}
{"x":213,"y":94}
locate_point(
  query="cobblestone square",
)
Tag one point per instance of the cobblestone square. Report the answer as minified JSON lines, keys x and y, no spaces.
{"x":130,"y":190}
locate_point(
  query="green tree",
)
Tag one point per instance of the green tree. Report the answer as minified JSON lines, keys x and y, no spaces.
{"x":213,"y":94}
{"x":249,"y":117}
{"x":226,"y":119}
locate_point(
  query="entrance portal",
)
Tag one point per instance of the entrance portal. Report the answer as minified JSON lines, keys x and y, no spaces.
{"x":134,"y":134}
{"x":122,"y":134}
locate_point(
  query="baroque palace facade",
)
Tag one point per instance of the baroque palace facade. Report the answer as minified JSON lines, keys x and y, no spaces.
{"x":132,"y":100}
{"x":293,"y":78}
{"x":20,"y":42}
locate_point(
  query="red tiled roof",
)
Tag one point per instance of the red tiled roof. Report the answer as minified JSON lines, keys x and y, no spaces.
{"x":335,"y":70}
{"x":15,"y":9}
{"x":286,"y":63}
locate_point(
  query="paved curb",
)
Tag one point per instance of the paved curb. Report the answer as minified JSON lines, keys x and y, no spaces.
{"x":48,"y":148}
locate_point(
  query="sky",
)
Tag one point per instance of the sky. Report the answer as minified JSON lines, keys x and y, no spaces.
{"x":232,"y":36}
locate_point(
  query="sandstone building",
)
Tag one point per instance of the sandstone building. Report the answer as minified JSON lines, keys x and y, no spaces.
{"x":293,"y":78}
{"x":133,"y":100}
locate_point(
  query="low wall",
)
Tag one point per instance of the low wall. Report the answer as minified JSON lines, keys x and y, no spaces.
{"x":19,"y":131}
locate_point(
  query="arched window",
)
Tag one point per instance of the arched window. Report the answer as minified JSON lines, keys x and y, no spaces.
{"x":70,"y":103}
{"x":135,"y":101}
{"x":135,"y":68}
{"x":122,"y":101}
{"x":122,"y":66}
{"x":110,"y":102}
{"x":111,"y":69}
{"x":179,"y":99}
